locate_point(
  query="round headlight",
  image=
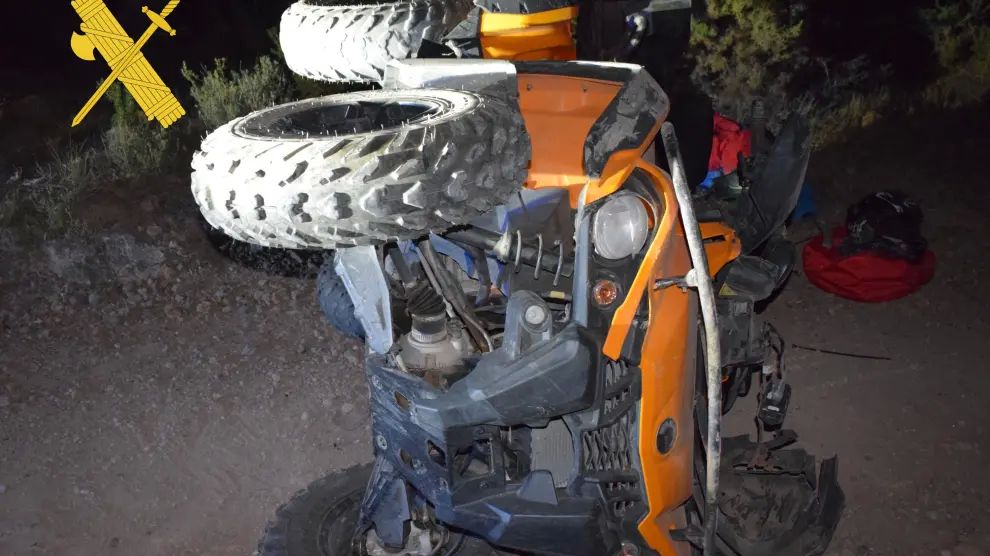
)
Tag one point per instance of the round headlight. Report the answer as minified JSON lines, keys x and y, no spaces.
{"x":620,"y":226}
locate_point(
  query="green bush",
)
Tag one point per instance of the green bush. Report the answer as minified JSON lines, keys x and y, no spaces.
{"x":746,"y":50}
{"x":222,"y":95}
{"x":960,"y":32}
{"x":749,"y":52}
{"x":134,"y":146}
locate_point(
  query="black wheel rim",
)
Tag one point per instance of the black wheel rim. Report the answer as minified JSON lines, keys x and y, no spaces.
{"x":337,"y":528}
{"x":339,"y":118}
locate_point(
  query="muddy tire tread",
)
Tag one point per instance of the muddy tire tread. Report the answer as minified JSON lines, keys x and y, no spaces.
{"x":355,"y":43}
{"x":365,"y":189}
{"x":275,"y":539}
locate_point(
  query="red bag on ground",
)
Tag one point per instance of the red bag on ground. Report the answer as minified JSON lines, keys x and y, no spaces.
{"x":864,"y":276}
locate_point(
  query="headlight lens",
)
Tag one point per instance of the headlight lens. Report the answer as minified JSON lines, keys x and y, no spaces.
{"x":620,"y":226}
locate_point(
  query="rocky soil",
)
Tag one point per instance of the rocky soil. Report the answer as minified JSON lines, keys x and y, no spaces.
{"x":158,"y":399}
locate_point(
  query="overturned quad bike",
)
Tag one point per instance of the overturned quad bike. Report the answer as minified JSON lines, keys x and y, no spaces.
{"x":554,"y":325}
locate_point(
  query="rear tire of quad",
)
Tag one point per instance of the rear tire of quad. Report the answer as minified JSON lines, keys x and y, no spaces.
{"x":360,"y":168}
{"x":290,"y":263}
{"x":330,"y":42}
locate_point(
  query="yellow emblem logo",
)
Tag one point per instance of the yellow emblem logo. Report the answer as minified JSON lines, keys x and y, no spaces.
{"x":102,"y":32}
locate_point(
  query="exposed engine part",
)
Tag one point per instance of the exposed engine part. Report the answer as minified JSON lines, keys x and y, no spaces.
{"x":434,"y":344}
{"x":424,"y":300}
{"x":453,"y":294}
{"x":420,"y":542}
{"x":401,"y":266}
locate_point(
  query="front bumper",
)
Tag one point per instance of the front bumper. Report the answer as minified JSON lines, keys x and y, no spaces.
{"x":451,"y":448}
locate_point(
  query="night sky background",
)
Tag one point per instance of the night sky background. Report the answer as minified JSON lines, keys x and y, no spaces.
{"x":35,"y":54}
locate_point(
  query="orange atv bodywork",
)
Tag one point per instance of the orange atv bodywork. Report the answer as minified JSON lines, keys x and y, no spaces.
{"x":545,"y":35}
{"x":559,"y":112}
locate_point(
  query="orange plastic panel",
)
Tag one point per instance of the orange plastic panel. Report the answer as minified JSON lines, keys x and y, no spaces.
{"x":559,"y":112}
{"x":545,"y":35}
{"x":721,"y":245}
{"x":668,"y":372}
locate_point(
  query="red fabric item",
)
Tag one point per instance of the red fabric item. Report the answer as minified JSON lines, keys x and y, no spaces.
{"x":864,"y":276}
{"x":728,"y":142}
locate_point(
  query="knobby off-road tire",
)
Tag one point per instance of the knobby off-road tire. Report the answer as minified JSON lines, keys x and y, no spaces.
{"x":336,"y":302}
{"x":320,"y":521}
{"x":360,"y":168}
{"x":354,"y":43}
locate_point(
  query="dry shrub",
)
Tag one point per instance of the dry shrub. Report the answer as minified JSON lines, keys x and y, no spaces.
{"x":50,"y":196}
{"x":135,"y":146}
{"x":222,"y":95}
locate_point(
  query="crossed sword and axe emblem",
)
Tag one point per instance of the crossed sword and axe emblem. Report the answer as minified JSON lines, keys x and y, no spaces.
{"x":102,"y":32}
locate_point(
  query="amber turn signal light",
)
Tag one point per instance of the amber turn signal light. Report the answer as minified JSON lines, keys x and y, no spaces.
{"x":605,"y":293}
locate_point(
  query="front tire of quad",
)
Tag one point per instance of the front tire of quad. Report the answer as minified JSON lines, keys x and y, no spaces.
{"x":360,"y":168}
{"x":320,"y":521}
{"x":328,"y":42}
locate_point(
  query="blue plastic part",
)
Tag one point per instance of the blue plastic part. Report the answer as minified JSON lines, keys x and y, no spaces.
{"x":805,"y":206}
{"x":446,"y":247}
{"x":710,"y":178}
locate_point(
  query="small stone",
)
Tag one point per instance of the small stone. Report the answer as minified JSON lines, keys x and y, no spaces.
{"x":114,"y":542}
{"x":172,"y":313}
{"x":346,"y":408}
{"x":203,"y":307}
{"x":3,"y":488}
{"x":153,"y":231}
{"x":351,"y":358}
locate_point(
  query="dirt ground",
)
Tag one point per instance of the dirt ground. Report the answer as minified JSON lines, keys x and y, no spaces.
{"x":158,"y":399}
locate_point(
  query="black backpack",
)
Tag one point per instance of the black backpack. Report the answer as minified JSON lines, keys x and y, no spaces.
{"x":887,"y":223}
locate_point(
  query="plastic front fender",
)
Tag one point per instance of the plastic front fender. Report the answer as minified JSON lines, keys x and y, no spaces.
{"x":668,"y":370}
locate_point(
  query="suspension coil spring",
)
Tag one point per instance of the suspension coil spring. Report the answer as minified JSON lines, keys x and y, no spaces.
{"x":515,"y":254}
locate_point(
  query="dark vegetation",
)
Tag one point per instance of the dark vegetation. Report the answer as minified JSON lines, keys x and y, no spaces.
{"x":844,"y":64}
